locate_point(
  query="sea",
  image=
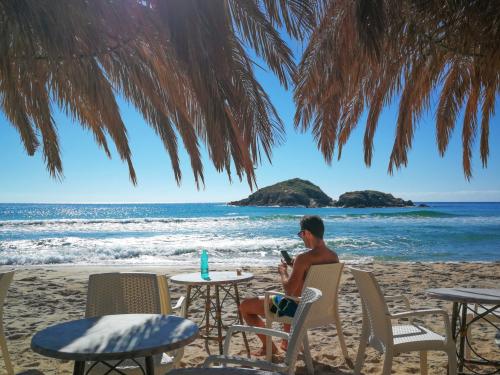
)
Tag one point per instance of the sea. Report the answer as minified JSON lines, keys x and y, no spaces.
{"x":174,"y":234}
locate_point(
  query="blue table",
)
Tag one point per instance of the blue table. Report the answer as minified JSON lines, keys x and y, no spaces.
{"x":114,"y":337}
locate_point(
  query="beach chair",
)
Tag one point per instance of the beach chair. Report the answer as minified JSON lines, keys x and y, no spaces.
{"x":131,"y":293}
{"x":5,"y":280}
{"x":380,"y":334}
{"x":325,"y":277}
{"x":295,"y":339}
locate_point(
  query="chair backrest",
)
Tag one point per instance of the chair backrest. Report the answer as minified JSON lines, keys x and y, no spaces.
{"x":375,"y":311}
{"x":5,"y":280}
{"x":325,"y":277}
{"x":127,"y":293}
{"x":298,"y":328}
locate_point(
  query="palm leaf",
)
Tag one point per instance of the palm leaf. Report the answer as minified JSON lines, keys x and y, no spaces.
{"x":181,"y":63}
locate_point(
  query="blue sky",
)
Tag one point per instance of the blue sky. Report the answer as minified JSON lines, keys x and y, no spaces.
{"x":90,"y":177}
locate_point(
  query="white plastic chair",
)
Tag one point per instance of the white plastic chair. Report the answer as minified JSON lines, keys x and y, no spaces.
{"x":132,"y":293}
{"x":295,"y":339}
{"x":379,"y":333}
{"x":325,"y":277}
{"x":5,"y":280}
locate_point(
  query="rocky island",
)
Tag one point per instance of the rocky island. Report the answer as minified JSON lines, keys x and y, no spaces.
{"x":294,"y":192}
{"x":302,"y":193}
{"x":370,"y":198}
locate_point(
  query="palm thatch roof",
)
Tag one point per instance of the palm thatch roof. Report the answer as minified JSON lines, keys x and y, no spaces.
{"x":363,"y":54}
{"x":181,"y":63}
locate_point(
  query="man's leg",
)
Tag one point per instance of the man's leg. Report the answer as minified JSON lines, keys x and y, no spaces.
{"x":252,"y":309}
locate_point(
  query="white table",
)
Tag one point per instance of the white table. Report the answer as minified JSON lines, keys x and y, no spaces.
{"x":226,"y":282}
{"x":461,"y":298}
{"x":114,"y":337}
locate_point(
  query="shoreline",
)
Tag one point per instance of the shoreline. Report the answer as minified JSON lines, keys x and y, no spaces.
{"x":41,"y":296}
{"x":222,"y":266}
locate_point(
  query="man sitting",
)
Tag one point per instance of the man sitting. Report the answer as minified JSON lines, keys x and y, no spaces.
{"x":252,"y":309}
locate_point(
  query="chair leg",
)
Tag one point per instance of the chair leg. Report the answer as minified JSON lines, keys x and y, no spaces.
{"x":452,"y":361}
{"x":269,"y":342}
{"x":177,"y":354}
{"x":307,"y":355}
{"x":387,"y":363}
{"x":5,"y":353}
{"x":360,"y":357}
{"x":340,"y":334}
{"x":423,"y":363}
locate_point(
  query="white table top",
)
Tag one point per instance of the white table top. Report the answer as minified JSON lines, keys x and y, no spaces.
{"x":216,"y":278}
{"x":111,"y":337}
{"x":466,"y":295}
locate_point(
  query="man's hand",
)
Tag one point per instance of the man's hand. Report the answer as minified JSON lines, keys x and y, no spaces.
{"x":282,"y":269}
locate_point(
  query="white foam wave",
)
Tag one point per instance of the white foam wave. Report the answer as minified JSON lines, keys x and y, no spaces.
{"x":161,"y":249}
{"x":149,"y":225}
{"x":172,"y":248}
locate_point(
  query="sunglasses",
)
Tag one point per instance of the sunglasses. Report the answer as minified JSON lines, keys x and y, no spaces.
{"x":301,"y":233}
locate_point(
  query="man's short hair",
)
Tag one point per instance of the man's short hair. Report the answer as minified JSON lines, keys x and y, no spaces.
{"x":313,"y":224}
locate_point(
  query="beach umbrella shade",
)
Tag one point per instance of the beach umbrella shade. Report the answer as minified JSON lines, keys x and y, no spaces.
{"x":183,"y":64}
{"x":366,"y":53}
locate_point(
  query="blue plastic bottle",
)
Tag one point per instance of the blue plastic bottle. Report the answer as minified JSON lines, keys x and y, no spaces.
{"x":204,"y":265}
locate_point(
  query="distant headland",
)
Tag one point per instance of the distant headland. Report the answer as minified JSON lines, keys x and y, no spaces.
{"x":303,"y":193}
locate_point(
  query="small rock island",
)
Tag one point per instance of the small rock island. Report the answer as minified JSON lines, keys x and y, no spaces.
{"x":301,"y":193}
{"x":294,"y":192}
{"x":370,"y":198}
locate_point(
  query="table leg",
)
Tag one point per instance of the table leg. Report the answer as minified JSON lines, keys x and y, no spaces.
{"x":218,"y":316}
{"x":463,"y":334}
{"x":79,"y":368}
{"x":188,"y":301}
{"x":150,"y":366}
{"x":454,"y":318}
{"x":207,"y":320}
{"x":237,"y":296}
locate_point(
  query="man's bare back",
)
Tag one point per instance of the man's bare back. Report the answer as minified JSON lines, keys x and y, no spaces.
{"x":294,"y":283}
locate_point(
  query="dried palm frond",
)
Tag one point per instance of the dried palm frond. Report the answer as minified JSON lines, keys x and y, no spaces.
{"x":181,"y":63}
{"x":363,"y":54}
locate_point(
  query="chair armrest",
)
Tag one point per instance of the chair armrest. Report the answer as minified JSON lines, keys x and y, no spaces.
{"x":180,"y":305}
{"x":422,"y":312}
{"x":264,"y":365}
{"x":258,"y":330}
{"x":405,"y":299}
{"x":399,"y":298}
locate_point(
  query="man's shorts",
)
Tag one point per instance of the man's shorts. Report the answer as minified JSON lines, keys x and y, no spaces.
{"x":283,"y":306}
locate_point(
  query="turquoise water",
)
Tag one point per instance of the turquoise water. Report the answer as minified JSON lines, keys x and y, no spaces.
{"x":175,"y":233}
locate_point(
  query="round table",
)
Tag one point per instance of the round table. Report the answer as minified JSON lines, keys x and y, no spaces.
{"x":114,"y":337}
{"x":226,"y":282}
{"x":488,"y":299}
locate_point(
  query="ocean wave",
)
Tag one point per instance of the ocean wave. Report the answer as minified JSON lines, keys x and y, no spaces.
{"x":63,"y":224}
{"x":160,"y":249}
{"x":140,"y":249}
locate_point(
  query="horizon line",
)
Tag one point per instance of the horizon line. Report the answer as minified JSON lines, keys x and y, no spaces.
{"x":213,"y":202}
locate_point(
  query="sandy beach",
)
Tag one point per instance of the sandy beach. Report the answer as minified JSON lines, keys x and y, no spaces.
{"x":42,"y":296}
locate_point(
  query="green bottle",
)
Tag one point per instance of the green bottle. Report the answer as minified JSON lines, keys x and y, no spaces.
{"x":204,"y":265}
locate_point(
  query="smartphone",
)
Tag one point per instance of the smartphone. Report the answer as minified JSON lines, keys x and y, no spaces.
{"x":286,"y":257}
